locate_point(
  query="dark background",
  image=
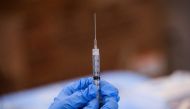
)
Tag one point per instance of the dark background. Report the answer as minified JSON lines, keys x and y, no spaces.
{"x":44,"y":41}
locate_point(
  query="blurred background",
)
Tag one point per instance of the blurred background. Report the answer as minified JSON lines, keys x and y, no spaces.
{"x":47,"y":41}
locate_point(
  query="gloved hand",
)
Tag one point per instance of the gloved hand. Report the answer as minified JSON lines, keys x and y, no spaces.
{"x":82,"y":95}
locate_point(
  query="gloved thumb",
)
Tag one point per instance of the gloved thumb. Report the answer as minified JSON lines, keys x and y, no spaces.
{"x":80,"y":98}
{"x":93,"y":104}
{"x":110,"y":103}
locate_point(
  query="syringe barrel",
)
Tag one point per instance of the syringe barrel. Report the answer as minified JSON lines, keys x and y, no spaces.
{"x":96,"y":63}
{"x":96,"y":66}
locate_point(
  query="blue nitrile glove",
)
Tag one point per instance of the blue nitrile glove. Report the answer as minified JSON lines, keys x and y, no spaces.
{"x":82,"y":95}
{"x":109,"y":95}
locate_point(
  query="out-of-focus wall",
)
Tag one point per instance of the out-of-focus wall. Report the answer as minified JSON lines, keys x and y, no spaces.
{"x":179,"y":24}
{"x":43,"y":41}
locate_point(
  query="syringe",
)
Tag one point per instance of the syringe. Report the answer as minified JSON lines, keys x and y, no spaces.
{"x":96,"y":61}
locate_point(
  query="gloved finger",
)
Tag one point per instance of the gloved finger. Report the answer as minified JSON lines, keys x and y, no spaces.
{"x":80,"y":98}
{"x":108,"y":90}
{"x":93,"y":104}
{"x":110,"y":103}
{"x":75,"y":86}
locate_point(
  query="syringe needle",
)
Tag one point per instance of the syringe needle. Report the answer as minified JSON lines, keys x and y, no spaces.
{"x":95,"y":40}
